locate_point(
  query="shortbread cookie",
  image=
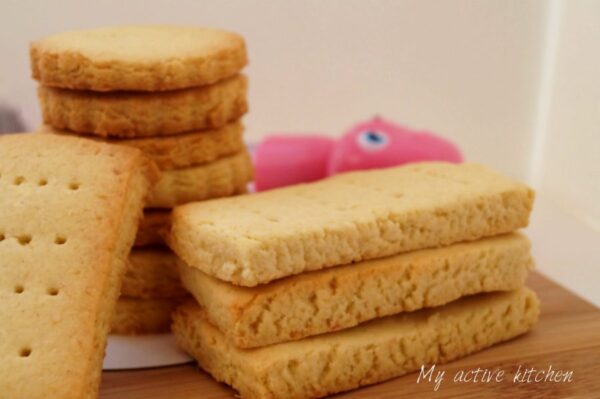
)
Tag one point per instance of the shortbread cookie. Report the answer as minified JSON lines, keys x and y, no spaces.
{"x":144,"y":58}
{"x":142,"y":316}
{"x":69,"y":210}
{"x":152,"y":273}
{"x":347,"y":218}
{"x":342,"y":297}
{"x":152,"y":227}
{"x":363,"y":355}
{"x":224,"y":177}
{"x":182,"y":150}
{"x":143,"y":114}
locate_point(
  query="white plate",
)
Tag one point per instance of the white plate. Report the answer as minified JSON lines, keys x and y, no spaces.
{"x":136,"y":352}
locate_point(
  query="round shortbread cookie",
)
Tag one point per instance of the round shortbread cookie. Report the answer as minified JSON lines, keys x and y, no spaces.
{"x":142,"y":316}
{"x":144,"y":58}
{"x":182,"y":150}
{"x":142,"y":114}
{"x":151,"y":226}
{"x":224,"y":177}
{"x":151,"y":274}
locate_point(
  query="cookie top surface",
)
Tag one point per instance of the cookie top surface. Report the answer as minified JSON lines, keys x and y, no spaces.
{"x":146,"y":58}
{"x":350,"y":217}
{"x":67,"y":208}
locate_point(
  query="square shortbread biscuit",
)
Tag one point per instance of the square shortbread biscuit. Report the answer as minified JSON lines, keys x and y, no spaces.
{"x":341,"y":297}
{"x":351,"y":217}
{"x":69,"y":210}
{"x":369,"y":353}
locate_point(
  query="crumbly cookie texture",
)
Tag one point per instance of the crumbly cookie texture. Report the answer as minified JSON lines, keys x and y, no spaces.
{"x":144,"y":114}
{"x":342,"y":297}
{"x":347,"y":218}
{"x":153,"y":226}
{"x":152,"y":274}
{"x":142,"y":316}
{"x":366,"y":354}
{"x":183,"y":150}
{"x":69,"y":210}
{"x":143,"y":58}
{"x":224,"y":177}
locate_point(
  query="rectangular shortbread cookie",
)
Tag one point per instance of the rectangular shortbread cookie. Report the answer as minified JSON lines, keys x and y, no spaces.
{"x":341,"y":297}
{"x":366,"y":354}
{"x":69,"y":210}
{"x":351,"y":217}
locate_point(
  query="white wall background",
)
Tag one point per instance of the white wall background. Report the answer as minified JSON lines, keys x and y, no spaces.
{"x":569,"y":137}
{"x":514,"y":82}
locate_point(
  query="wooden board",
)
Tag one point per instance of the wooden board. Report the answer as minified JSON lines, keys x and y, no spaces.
{"x":566,"y":338}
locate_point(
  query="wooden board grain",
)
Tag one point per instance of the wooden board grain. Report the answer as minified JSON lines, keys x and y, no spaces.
{"x":567,"y":338}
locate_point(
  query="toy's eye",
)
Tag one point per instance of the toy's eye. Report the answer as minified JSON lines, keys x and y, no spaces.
{"x":372,"y":140}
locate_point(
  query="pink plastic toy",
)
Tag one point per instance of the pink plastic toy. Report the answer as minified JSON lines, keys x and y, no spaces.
{"x":282,"y":160}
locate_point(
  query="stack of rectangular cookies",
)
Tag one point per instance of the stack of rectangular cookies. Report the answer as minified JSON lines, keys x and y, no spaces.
{"x":315,"y":289}
{"x":177,"y":94}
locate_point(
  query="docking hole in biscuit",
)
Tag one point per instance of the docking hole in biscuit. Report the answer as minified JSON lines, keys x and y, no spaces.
{"x":53,"y":291}
{"x":73,"y":186}
{"x":19,"y":289}
{"x":60,"y":240}
{"x":2,"y":237}
{"x":19,"y":180}
{"x":24,"y":239}
{"x":25,"y":352}
{"x":42,"y":182}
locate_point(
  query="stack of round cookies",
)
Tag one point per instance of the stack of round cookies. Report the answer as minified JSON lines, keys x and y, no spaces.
{"x":178,"y":95}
